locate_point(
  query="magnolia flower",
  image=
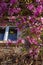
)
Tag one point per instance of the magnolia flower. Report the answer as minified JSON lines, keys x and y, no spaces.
{"x":3,"y":8}
{"x":39,"y":8}
{"x":30,"y":6}
{"x":37,"y":0}
{"x":23,"y":41}
{"x":13,"y":1}
{"x":17,"y":10}
{"x":32,"y":40}
{"x":9,"y":41}
{"x":14,"y":42}
{"x":13,"y":11}
{"x":11,"y":17}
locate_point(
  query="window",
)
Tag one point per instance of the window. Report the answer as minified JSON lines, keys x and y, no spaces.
{"x":9,"y":33}
{"x":12,"y":33}
{"x":2,"y":31}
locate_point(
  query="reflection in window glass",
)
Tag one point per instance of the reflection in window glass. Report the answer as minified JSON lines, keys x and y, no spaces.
{"x":12,"y":34}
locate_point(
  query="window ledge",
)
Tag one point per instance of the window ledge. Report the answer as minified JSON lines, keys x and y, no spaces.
{"x":6,"y":41}
{"x":2,"y":41}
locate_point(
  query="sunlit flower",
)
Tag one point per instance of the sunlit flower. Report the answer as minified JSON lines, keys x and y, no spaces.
{"x":42,"y":20}
{"x":37,"y":0}
{"x":23,"y":41}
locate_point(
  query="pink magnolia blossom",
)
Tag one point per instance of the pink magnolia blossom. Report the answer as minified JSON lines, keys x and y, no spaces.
{"x":42,"y":20}
{"x":22,"y":41}
{"x":14,"y":42}
{"x":37,"y":0}
{"x":13,"y":1}
{"x":30,"y":6}
{"x":32,"y":40}
{"x":13,"y":11}
{"x":39,"y":8}
{"x":9,"y":41}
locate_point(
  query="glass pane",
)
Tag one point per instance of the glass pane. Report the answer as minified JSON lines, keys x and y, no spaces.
{"x":12,"y":34}
{"x":2,"y":31}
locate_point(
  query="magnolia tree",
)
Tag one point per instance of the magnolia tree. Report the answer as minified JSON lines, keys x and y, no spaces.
{"x":27,"y":15}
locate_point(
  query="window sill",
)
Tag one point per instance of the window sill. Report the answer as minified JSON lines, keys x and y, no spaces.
{"x":4,"y":43}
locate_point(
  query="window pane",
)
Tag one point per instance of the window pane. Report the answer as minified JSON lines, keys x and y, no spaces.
{"x":2,"y":31}
{"x":12,"y":34}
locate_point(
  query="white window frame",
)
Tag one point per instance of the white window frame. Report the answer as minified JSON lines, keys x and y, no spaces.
{"x":6,"y":33}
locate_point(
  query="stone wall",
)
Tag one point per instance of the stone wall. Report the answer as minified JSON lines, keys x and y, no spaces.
{"x":17,"y":56}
